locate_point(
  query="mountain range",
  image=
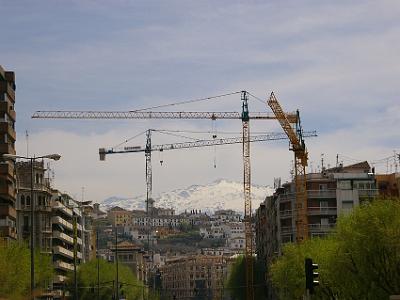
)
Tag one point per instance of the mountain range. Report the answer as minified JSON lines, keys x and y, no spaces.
{"x":220,"y":194}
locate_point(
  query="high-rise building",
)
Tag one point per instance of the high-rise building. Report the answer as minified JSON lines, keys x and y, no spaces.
{"x":8,"y":215}
{"x":41,"y":202}
{"x":68,"y":233}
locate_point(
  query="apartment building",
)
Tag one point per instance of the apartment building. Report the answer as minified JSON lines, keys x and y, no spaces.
{"x":193,"y":277}
{"x":131,"y":255}
{"x":41,"y":201}
{"x":8,"y":214}
{"x":118,"y":216}
{"x":330,"y":193}
{"x":67,"y":231}
{"x":388,"y":185}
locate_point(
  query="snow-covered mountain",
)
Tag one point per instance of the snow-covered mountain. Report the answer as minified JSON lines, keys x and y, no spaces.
{"x":220,"y":194}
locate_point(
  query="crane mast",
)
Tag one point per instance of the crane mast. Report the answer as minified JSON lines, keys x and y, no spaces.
{"x":149,"y":176}
{"x":300,"y":162}
{"x":247,"y":200}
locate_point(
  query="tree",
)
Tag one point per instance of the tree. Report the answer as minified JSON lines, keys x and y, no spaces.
{"x":361,"y":260}
{"x":15,"y":270}
{"x":236,"y":284}
{"x":129,"y":287}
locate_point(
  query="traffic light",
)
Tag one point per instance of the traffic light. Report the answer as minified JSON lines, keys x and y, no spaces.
{"x":311,"y":275}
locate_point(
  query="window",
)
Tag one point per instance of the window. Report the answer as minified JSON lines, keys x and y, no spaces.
{"x":22,"y":200}
{"x":347,"y":204}
{"x":323,"y":187}
{"x":344,"y":185}
{"x":28,"y":201}
{"x":324,"y":204}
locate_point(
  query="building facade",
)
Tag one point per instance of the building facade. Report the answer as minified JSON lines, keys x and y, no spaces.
{"x":8,"y":214}
{"x":67,"y":237}
{"x":193,"y":277}
{"x":330,"y":193}
{"x":41,"y":201}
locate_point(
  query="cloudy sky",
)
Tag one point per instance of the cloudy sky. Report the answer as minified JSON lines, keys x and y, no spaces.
{"x":335,"y":61}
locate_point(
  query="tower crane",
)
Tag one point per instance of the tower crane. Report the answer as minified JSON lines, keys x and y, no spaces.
{"x":295,"y":136}
{"x":149,"y":148}
{"x":245,"y":116}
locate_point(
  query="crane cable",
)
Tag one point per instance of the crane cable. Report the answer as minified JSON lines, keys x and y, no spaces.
{"x":187,"y":101}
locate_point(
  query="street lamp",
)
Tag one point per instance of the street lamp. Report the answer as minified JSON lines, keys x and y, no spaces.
{"x":13,"y":157}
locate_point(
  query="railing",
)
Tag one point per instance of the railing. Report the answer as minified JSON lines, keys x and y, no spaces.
{"x":287,"y":197}
{"x":285,"y":213}
{"x":63,"y":265}
{"x":322,"y":211}
{"x":286,"y":229}
{"x":66,"y":238}
{"x":61,"y":221}
{"x":321,"y":227}
{"x":43,"y":208}
{"x":370,"y":193}
{"x":64,"y":209}
{"x":60,"y":278}
{"x":321,"y":193}
{"x":66,"y":252}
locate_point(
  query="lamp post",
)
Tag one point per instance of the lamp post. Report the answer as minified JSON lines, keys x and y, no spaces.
{"x":31,"y":232}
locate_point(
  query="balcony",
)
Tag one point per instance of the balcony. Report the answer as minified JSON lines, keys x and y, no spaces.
{"x":7,"y":148}
{"x":287,"y":197}
{"x":6,"y":128}
{"x":59,"y":279}
{"x":368,"y":193}
{"x":60,"y":221}
{"x":6,"y":87}
{"x":8,"y":210}
{"x":6,"y":107}
{"x":283,"y":214}
{"x":7,"y":169}
{"x":321,"y":194}
{"x":65,"y":238}
{"x":286,"y":229}
{"x":324,"y":211}
{"x":43,"y":208}
{"x":66,"y":253}
{"x":62,"y":208}
{"x":320,"y":227}
{"x":7,"y":190}
{"x":7,"y":231}
{"x":63,"y":265}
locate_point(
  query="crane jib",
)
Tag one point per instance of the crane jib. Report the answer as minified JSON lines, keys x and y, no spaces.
{"x":292,"y":117}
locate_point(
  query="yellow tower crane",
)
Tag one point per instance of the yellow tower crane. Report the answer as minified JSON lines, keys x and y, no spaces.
{"x":295,"y":135}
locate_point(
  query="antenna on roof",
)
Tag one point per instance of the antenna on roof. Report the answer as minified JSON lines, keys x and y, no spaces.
{"x":27,"y":142}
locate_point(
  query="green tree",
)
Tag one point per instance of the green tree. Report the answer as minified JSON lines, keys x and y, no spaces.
{"x":130,"y":287}
{"x":236,"y":283}
{"x":15,"y":270}
{"x":361,"y":260}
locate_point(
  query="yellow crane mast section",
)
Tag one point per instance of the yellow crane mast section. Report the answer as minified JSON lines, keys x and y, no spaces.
{"x":300,"y":163}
